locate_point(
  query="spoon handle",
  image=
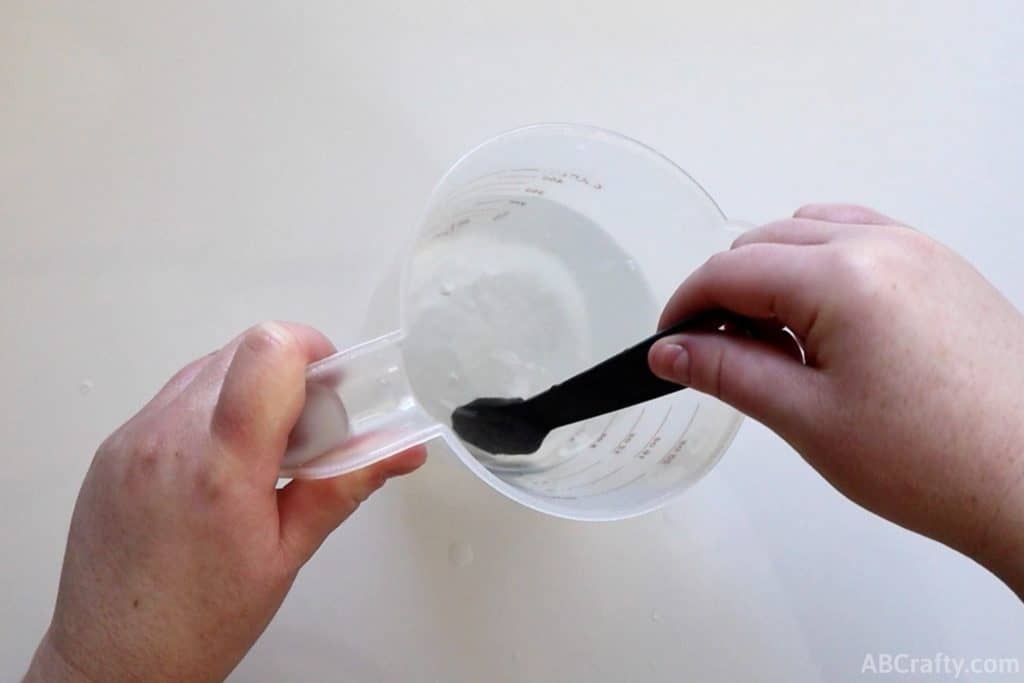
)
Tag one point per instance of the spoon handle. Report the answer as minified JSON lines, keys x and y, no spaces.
{"x":621,"y":381}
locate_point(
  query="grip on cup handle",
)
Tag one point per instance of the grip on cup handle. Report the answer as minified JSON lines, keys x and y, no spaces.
{"x":359,"y":410}
{"x":322,"y":426}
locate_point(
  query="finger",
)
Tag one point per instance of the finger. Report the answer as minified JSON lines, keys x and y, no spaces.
{"x":210,"y":378}
{"x":850,"y":214}
{"x":791,"y":231}
{"x":749,"y":375}
{"x":263,"y":392}
{"x":310,"y":509}
{"x":769,"y":281}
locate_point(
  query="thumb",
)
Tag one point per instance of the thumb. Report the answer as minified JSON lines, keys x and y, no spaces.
{"x":755,"y":377}
{"x":262,"y":393}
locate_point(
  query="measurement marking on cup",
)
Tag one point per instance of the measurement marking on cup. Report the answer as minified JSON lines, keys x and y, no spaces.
{"x":570,"y":475}
{"x":678,"y":447}
{"x":493,"y":185}
{"x":604,"y":432}
{"x":504,"y":173}
{"x":495,"y":176}
{"x":620,"y":486}
{"x":451,"y":228}
{"x":630,"y":435}
{"x":472,"y":213}
{"x":602,"y":477}
{"x":575,"y":435}
{"x":516,"y":178}
{"x":655,"y":438}
{"x":583,"y":179}
{"x":499,"y":183}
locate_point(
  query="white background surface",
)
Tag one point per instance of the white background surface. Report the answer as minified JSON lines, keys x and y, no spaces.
{"x":171,"y":173}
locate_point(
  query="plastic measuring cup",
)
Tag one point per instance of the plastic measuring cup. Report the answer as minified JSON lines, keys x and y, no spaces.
{"x":541,"y":252}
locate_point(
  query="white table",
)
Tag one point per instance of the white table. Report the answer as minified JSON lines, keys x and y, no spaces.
{"x":171,"y":174}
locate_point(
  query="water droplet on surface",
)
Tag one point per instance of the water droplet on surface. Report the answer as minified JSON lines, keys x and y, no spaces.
{"x":447,"y":289}
{"x":85,"y":387}
{"x":460,"y":554}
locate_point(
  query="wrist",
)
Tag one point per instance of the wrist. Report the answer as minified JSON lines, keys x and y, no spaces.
{"x":49,"y":665}
{"x":1000,"y":543}
{"x":1003,"y":554}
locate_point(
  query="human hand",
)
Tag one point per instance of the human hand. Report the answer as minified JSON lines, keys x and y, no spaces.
{"x":911,"y":401}
{"x":181,"y":549}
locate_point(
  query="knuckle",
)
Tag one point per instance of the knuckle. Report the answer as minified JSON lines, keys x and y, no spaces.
{"x":141,"y":458}
{"x":718,"y":369}
{"x":917,"y":243}
{"x":112,"y":446}
{"x":708,"y":368}
{"x":211,"y":481}
{"x":861,"y":269}
{"x":375,"y":484}
{"x":808,"y":209}
{"x":108,"y":459}
{"x":148,"y":449}
{"x":879,"y":269}
{"x":346,"y":499}
{"x":719,"y":262}
{"x":231,"y":424}
{"x":351,"y":498}
{"x":346,"y":505}
{"x":342,"y":501}
{"x":717,"y":259}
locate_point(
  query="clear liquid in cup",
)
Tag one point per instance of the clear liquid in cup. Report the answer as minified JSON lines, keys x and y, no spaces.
{"x":520,"y":296}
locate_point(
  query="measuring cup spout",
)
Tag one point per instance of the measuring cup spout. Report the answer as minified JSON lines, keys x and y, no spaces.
{"x":359,"y":409}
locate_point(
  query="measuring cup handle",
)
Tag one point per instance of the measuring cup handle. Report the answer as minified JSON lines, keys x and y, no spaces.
{"x":359,"y":410}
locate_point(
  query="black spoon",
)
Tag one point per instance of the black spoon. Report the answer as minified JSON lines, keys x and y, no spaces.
{"x":514,"y":426}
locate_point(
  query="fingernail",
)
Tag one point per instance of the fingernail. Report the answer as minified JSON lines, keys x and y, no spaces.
{"x":673,"y":359}
{"x":269,"y":334}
